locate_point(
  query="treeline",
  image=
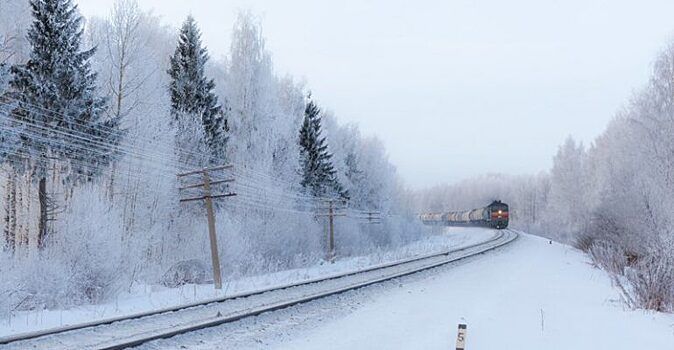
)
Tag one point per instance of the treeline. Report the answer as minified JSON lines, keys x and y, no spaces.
{"x":97,"y":117}
{"x":612,"y":199}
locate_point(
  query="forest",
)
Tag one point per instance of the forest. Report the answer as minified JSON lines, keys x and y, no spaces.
{"x":98,"y":116}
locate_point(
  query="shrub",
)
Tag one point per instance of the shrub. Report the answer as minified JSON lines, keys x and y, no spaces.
{"x":608,"y":256}
{"x":651,"y":281}
{"x":584,"y":242}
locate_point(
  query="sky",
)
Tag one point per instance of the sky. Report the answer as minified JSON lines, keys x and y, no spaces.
{"x":454,"y":89}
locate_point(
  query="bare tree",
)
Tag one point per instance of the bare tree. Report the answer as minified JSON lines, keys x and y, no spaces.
{"x":123,"y":41}
{"x":122,"y":44}
{"x":14,"y":21}
{"x":5,"y":53}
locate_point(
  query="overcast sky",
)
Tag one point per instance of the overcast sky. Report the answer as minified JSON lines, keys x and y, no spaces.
{"x":455,"y":89}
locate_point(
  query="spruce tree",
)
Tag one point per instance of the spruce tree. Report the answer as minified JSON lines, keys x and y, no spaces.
{"x":192,"y":96}
{"x":318,"y":173}
{"x":57,"y":101}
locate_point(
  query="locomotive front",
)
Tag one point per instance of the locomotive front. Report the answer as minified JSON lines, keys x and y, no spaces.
{"x":499,"y":215}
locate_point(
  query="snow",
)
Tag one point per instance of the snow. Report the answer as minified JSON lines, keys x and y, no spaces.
{"x":151,"y":297}
{"x":529,"y":295}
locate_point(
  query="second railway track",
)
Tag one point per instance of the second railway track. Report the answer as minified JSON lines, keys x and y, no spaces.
{"x":134,"y":330}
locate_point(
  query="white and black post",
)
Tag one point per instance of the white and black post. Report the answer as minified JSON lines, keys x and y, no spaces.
{"x":461,"y":337}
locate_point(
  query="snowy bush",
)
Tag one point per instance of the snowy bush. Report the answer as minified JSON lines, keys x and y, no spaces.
{"x":83,"y":265}
{"x":184,"y":272}
{"x":651,"y":281}
{"x":584,"y":242}
{"x":608,"y":256}
{"x":91,"y":246}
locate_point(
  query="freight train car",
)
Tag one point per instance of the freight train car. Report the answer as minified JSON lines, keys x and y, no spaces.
{"x":494,"y":215}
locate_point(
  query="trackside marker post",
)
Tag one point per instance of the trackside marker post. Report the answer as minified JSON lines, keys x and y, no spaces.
{"x":461,"y":337}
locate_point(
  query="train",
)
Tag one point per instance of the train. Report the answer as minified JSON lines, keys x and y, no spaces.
{"x":495,"y":215}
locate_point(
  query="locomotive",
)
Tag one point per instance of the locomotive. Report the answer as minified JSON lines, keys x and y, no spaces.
{"x":495,"y":215}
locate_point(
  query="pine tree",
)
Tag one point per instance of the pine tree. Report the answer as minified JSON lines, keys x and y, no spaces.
{"x":317,"y":171}
{"x":192,"y":95}
{"x":58,"y":103}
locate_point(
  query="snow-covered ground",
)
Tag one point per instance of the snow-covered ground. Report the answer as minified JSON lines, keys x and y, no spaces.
{"x":529,"y":295}
{"x":145,"y":298}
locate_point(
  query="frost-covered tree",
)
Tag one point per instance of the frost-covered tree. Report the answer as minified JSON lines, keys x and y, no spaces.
{"x":122,"y":44}
{"x":5,"y":52}
{"x":9,"y":130}
{"x":58,"y":102}
{"x":192,"y":95}
{"x":565,"y":206}
{"x":354,"y":172}
{"x":14,"y":21}
{"x":4,"y":78}
{"x":317,"y":171}
{"x":118,"y":62}
{"x":9,"y":140}
{"x":257,"y":124}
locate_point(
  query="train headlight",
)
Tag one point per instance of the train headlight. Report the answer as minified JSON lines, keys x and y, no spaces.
{"x":500,"y":212}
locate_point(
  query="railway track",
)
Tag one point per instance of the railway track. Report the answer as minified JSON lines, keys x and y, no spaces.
{"x":133,"y":330}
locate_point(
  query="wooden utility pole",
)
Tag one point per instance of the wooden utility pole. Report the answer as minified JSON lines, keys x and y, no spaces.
{"x":372,"y":217}
{"x":331,"y":228}
{"x":208,"y":196}
{"x":217,"y":276}
{"x":331,"y":245}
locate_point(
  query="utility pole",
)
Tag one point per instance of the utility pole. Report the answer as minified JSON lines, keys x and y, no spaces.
{"x":372,"y":217}
{"x":207,"y":196}
{"x":331,"y":244}
{"x":331,"y":228}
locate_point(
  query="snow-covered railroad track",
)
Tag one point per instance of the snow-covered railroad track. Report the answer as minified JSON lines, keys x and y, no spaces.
{"x":133,"y":330}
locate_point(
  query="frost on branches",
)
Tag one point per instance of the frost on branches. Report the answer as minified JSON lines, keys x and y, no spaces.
{"x":108,"y":156}
{"x":59,"y":106}
{"x":193,"y":103}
